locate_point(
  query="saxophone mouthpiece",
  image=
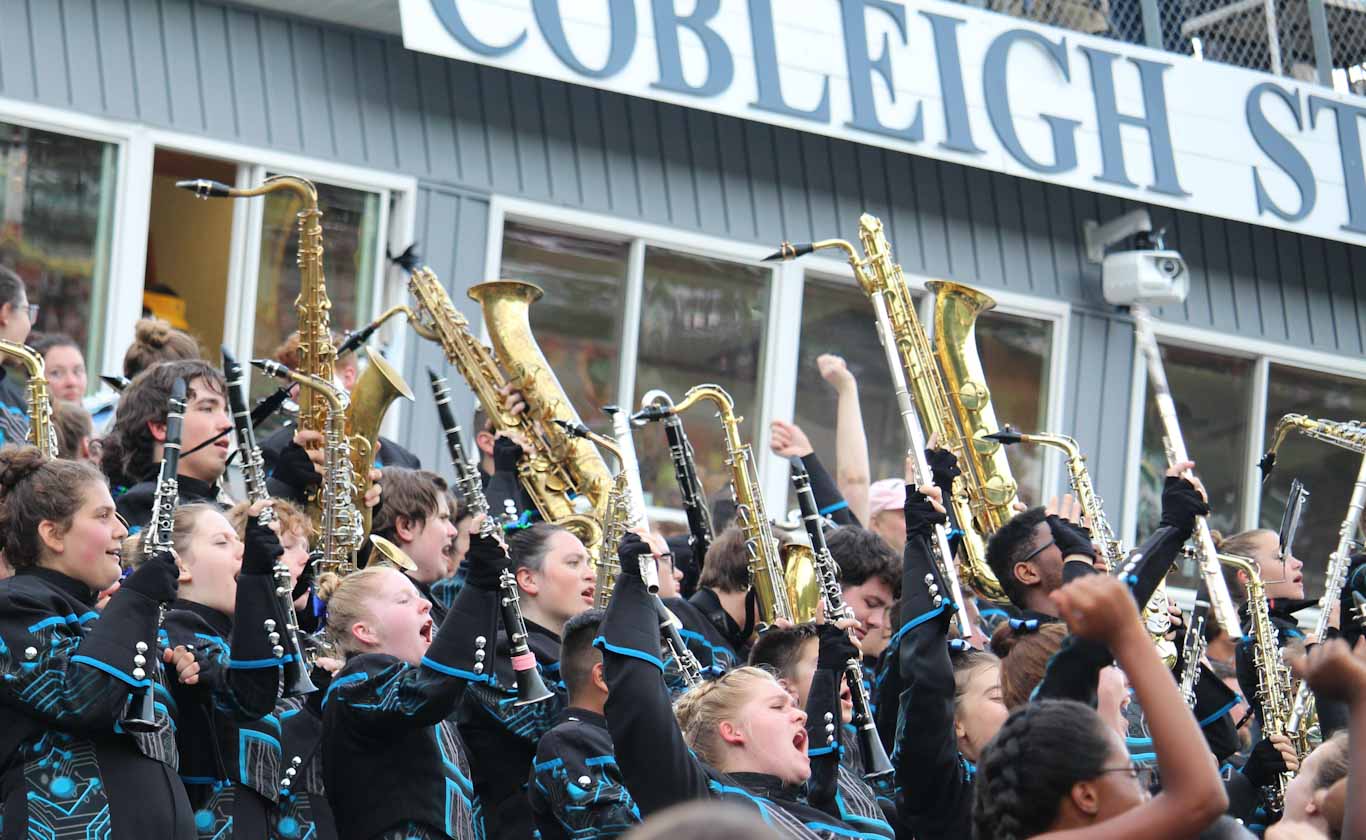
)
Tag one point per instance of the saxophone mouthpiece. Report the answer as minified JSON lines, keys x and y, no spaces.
{"x":650,"y":413}
{"x":118,"y":383}
{"x":1007,"y":436}
{"x":575,"y":429}
{"x":788,"y":251}
{"x":408,"y":260}
{"x":1266,"y":465}
{"x":270,"y":366}
{"x":204,"y":188}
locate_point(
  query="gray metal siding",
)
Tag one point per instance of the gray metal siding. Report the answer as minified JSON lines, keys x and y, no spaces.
{"x":466,"y":131}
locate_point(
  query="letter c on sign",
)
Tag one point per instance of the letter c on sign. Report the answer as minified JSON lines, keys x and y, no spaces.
{"x":622,"y":15}
{"x":448,"y":13}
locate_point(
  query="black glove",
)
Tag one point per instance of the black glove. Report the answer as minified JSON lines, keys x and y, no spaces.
{"x":1264,"y":764}
{"x":921,"y":516}
{"x":1072,"y":539}
{"x":506,"y":454}
{"x":485,"y":561}
{"x":836,"y":648}
{"x":1181,"y":503}
{"x":295,"y":468}
{"x":943,"y":469}
{"x":157,"y":578}
{"x":262,"y":548}
{"x":629,"y":552}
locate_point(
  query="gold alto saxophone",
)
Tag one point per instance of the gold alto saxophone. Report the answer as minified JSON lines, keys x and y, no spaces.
{"x":377,"y":386}
{"x":1273,"y":677}
{"x":948,"y":389}
{"x":765,"y":565}
{"x":1349,"y":435}
{"x":559,"y":468}
{"x":1156,"y":616}
{"x":41,"y":432}
{"x":341,"y":531}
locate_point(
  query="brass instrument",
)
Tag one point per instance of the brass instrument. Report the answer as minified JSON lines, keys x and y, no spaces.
{"x":1349,"y":435}
{"x":378,"y":385}
{"x":41,"y":432}
{"x":765,"y":566}
{"x":1273,"y":677}
{"x":949,"y":392}
{"x":341,"y":529}
{"x":558,"y":468}
{"x":386,"y":553}
{"x":1156,"y":615}
{"x":1221,"y":602}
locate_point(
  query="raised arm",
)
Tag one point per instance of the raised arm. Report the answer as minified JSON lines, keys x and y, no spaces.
{"x":1101,"y":608}
{"x":658,"y":768}
{"x":853,"y":473}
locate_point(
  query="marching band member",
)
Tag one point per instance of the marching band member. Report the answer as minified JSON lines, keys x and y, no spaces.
{"x":742,"y":736}
{"x":230,"y":754}
{"x":394,"y":764}
{"x":415,"y":515}
{"x":16,"y":321}
{"x":576,"y":789}
{"x":132,"y":449}
{"x":69,"y":768}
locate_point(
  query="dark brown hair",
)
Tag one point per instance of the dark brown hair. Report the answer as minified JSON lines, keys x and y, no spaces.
{"x":127,"y":455}
{"x":727,"y":564}
{"x":40,"y":343}
{"x":72,"y":423}
{"x":34,"y":489}
{"x":411,"y":495}
{"x":155,"y":340}
{"x":1024,"y":658}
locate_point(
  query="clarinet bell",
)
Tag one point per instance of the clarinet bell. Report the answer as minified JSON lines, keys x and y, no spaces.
{"x":140,"y":715}
{"x":530,"y":687}
{"x":876,"y":764}
{"x":297,"y":683}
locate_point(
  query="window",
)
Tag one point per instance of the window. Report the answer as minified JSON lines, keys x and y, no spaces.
{"x":56,"y":220}
{"x":1328,"y":472}
{"x":1227,"y":417}
{"x":700,"y":319}
{"x":836,"y":318}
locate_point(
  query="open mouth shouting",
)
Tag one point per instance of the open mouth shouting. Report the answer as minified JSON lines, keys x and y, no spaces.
{"x":588,"y":593}
{"x":426,"y":631}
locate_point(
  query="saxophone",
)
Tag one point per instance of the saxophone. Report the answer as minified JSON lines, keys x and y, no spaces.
{"x":1349,"y":435}
{"x":342,"y":531}
{"x":1156,"y":616}
{"x":41,"y":432}
{"x":765,"y":565}
{"x":948,"y":389}
{"x":559,"y":467}
{"x":378,"y":385}
{"x":1273,"y":677}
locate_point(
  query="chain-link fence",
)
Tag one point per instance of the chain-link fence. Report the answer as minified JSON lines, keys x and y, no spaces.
{"x":1320,"y":41}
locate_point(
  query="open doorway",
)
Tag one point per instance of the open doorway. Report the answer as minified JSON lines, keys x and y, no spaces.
{"x":188,"y":247}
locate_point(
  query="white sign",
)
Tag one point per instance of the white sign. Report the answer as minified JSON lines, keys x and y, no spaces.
{"x":956,"y":83}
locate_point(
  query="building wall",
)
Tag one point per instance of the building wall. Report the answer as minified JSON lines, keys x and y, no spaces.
{"x":467,"y":131}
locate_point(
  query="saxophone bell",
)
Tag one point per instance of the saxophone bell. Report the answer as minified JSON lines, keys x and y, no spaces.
{"x":390,"y":554}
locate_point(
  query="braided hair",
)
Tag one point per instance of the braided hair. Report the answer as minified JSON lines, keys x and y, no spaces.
{"x":1042,"y":750}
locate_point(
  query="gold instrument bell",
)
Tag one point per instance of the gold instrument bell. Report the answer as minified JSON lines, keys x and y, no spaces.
{"x":803,"y":586}
{"x":388,"y":553}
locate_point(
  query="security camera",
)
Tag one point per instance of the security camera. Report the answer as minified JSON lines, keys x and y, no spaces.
{"x":1152,"y":277}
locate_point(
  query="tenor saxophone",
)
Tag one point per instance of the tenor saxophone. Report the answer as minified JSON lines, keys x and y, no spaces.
{"x":378,"y":385}
{"x":41,"y":431}
{"x":949,"y":393}
{"x":1349,"y":435}
{"x":1273,"y":677}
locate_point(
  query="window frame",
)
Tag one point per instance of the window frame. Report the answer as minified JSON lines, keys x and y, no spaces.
{"x":777,"y":386}
{"x":1262,"y":353}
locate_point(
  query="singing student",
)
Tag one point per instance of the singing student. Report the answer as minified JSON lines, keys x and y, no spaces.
{"x":66,"y":671}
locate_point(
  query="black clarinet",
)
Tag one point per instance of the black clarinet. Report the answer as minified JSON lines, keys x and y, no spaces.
{"x":876,"y":764}
{"x":657,"y":405}
{"x":296,"y":681}
{"x":530,"y":687}
{"x":140,"y":713}
{"x":466,"y":476}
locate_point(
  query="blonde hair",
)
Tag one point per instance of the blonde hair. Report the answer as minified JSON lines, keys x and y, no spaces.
{"x":702,"y":709}
{"x":1241,"y":544}
{"x":291,"y":519}
{"x":346,"y":599}
{"x":182,"y":528}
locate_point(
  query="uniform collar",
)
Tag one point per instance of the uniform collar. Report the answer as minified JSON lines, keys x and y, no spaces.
{"x":768,"y":786}
{"x":221,"y":623}
{"x":66,"y":584}
{"x":580,"y":715}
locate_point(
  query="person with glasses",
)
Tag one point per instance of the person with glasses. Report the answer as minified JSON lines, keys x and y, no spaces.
{"x":16,"y":322}
{"x":1056,"y":770}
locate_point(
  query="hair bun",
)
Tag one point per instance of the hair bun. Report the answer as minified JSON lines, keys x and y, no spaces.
{"x":1217,"y":538}
{"x":18,"y":462}
{"x":153,"y":332}
{"x":327,"y":585}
